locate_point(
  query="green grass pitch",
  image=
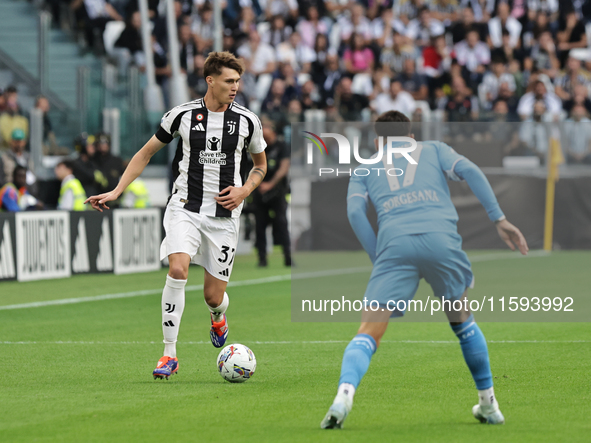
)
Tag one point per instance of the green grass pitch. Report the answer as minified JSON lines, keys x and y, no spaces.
{"x":82,"y":372}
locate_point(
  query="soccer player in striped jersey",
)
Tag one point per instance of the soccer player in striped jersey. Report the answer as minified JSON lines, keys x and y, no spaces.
{"x":202,"y":216}
{"x":417,"y":238}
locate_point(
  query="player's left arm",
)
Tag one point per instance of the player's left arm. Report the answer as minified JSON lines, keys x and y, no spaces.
{"x":509,"y":233}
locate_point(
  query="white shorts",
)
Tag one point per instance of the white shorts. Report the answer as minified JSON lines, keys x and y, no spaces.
{"x":209,"y":241}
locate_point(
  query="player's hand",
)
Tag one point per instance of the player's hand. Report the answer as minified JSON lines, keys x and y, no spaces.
{"x":511,"y":235}
{"x":265,"y":187}
{"x":231,"y":197}
{"x":98,"y":202}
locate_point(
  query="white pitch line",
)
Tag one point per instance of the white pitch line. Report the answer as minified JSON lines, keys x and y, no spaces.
{"x":256,"y":281}
{"x":508,"y":255}
{"x":315,"y":342}
{"x":69,"y":301}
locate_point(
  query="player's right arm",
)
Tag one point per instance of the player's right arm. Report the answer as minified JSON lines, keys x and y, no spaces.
{"x":167,"y":131}
{"x":458,"y":167}
{"x":133,"y":171}
{"x":357,"y":199}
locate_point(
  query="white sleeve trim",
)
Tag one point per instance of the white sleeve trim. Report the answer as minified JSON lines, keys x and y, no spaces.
{"x":363,"y":196}
{"x":451,"y":175}
{"x":257,"y":142}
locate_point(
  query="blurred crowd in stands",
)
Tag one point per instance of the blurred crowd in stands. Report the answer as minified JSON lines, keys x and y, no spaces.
{"x":91,"y":170}
{"x":452,"y":60}
{"x":435,"y":60}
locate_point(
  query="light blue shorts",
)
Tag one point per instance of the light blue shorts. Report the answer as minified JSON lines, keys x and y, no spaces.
{"x":436,"y":256}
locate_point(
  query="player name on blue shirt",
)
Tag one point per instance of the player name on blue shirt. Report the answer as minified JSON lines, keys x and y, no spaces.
{"x":409,"y":198}
{"x":416,"y":199}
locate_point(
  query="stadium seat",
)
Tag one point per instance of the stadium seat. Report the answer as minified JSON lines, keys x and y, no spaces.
{"x":303,"y":77}
{"x":255,"y":106}
{"x":521,"y":162}
{"x":351,"y":132}
{"x":366,"y":115}
{"x":314,"y":115}
{"x":482,"y":101}
{"x":583,"y":54}
{"x":263,"y":27}
{"x":112,"y":32}
{"x":6,"y":78}
{"x":438,"y":115}
{"x":334,"y":37}
{"x":420,"y":65}
{"x":425,"y":110}
{"x":547,"y":83}
{"x":263,"y":84}
{"x":362,"y":84}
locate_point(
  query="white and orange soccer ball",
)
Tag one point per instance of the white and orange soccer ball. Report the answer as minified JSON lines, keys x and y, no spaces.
{"x":236,"y":363}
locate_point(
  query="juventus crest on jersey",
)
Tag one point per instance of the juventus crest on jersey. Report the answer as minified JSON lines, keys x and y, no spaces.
{"x":208,"y":155}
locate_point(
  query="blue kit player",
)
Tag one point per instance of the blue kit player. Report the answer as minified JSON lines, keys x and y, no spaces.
{"x":418,"y":238}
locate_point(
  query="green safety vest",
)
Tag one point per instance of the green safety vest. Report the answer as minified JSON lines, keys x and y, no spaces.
{"x":79,"y":194}
{"x":140,"y":192}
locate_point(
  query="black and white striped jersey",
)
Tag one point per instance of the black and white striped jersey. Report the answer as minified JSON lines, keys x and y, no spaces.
{"x":208,"y":155}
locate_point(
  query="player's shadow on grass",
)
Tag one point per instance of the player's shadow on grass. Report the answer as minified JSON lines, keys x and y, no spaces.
{"x":388,"y":426}
{"x":188,"y":382}
{"x":183,"y":382}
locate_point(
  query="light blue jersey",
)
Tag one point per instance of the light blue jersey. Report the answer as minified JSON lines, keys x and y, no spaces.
{"x":417,"y":221}
{"x":417,"y":238}
{"x":418,"y":200}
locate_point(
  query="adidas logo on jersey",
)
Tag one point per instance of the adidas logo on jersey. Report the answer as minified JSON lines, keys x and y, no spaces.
{"x":225,"y":272}
{"x":198,"y":127}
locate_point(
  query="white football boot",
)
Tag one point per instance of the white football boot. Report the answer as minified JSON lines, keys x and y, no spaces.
{"x":490,"y":414}
{"x":337,"y":413}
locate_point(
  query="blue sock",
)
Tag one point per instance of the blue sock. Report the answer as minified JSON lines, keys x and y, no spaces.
{"x":356,"y":359}
{"x":475,"y":352}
